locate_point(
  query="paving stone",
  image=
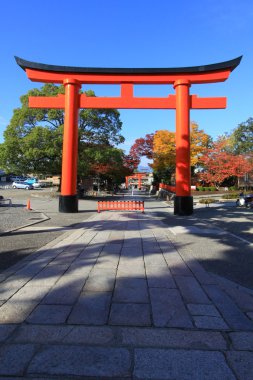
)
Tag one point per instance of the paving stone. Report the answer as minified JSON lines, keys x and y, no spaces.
{"x":154,"y":259}
{"x":90,"y":252}
{"x":159,"y":277}
{"x":242,"y":364}
{"x":131,"y":252}
{"x":191,"y":290}
{"x":152,"y":250}
{"x":132,"y":243}
{"x":29,"y":294}
{"x":14,"y":358}
{"x":105,"y":272}
{"x":63,"y":258}
{"x":16,"y":312}
{"x":6,"y":331}
{"x":242,"y":299}
{"x":136,"y":262}
{"x":205,"y":310}
{"x":49,"y":314}
{"x":107,"y":262}
{"x":63,"y":295}
{"x":11,"y":286}
{"x":242,"y":340}
{"x":41,"y":334}
{"x":7,"y":293}
{"x":202,"y":276}
{"x":131,"y":271}
{"x":161,"y":338}
{"x":48,"y":276}
{"x":91,"y":308}
{"x":77,"y":268}
{"x":111,"y":248}
{"x":90,"y":335}
{"x":98,"y":283}
{"x":81,"y":361}
{"x":130,"y":314}
{"x":31,"y":269}
{"x":180,"y":364}
{"x":176,"y":264}
{"x":69,"y":280}
{"x":230,"y":312}
{"x":207,"y":322}
{"x":168,"y":309}
{"x":131,"y":290}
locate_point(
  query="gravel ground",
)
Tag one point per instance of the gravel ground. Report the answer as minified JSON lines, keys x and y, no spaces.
{"x":12,"y":218}
{"x":21,"y":242}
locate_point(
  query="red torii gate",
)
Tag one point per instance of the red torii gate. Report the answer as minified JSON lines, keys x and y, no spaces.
{"x":138,"y":176}
{"x":181,"y":78}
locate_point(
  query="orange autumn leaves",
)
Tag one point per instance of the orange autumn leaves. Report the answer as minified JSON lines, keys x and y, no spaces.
{"x":164,"y":147}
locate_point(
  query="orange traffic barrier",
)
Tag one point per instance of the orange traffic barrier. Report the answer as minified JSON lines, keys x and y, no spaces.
{"x":121,"y":205}
{"x":28,"y":205}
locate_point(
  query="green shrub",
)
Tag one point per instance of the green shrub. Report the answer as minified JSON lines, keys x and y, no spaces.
{"x":207,"y":200}
{"x":230,"y":196}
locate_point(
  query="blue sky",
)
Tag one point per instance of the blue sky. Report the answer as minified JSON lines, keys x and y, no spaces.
{"x":133,"y":33}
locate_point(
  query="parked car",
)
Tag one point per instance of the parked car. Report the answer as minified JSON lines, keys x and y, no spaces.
{"x":31,"y":181}
{"x":17,"y":178}
{"x":35,"y":185}
{"x":22,"y":185}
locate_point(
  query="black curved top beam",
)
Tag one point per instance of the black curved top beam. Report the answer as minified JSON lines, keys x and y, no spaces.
{"x":231,"y":65}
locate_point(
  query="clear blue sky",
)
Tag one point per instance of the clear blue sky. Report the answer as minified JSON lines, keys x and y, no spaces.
{"x":133,"y":33}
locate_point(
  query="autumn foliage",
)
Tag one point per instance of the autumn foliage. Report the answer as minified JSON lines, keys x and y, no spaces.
{"x":165,"y":147}
{"x":219,"y":164}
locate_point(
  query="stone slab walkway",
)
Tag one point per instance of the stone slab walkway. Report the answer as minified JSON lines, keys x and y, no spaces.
{"x":116,"y":300}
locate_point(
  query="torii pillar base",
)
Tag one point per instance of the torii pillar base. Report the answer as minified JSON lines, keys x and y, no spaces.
{"x":68,"y":203}
{"x":183,"y":205}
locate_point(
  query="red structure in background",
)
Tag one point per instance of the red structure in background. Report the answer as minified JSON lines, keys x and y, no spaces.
{"x":171,"y":189}
{"x":181,"y":78}
{"x":138,"y":176}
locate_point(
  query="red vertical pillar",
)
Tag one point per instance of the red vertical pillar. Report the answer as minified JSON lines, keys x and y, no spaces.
{"x":183,"y":201}
{"x":68,"y":201}
{"x":139,"y":181}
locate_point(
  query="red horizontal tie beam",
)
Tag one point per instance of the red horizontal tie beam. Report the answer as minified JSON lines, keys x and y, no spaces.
{"x":126,"y":102}
{"x":207,"y":103}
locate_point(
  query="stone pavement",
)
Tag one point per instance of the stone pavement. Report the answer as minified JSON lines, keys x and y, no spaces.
{"x":116,"y":300}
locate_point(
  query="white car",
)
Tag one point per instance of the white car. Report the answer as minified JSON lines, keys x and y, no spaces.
{"x":36,"y":185}
{"x":21,"y":185}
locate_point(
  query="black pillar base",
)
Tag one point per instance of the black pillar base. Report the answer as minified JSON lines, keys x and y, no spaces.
{"x":183,"y":205}
{"x":68,"y":203}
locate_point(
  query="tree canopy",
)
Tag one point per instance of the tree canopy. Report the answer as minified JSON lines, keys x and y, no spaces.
{"x":165,"y":150}
{"x":33,"y":139}
{"x":220,"y":164}
{"x":242,"y":137}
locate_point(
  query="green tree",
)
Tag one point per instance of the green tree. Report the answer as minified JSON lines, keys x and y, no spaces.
{"x":242,"y":137}
{"x":33,"y":139}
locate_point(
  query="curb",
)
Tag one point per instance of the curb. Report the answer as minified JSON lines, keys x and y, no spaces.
{"x":45,"y":217}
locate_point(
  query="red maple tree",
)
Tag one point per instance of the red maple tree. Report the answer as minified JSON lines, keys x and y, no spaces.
{"x":143,"y":147}
{"x":220,"y":164}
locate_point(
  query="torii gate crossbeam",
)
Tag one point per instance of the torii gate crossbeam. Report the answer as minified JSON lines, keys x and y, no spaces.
{"x":181,"y":78}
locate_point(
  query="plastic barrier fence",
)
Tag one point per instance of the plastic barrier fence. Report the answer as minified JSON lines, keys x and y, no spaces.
{"x":121,"y":205}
